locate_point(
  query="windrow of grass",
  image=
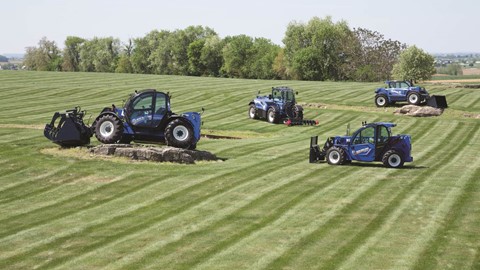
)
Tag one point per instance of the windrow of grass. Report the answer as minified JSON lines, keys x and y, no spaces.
{"x":263,"y":207}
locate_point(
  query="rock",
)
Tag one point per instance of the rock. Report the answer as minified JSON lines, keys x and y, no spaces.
{"x":157,"y":154}
{"x":419,"y":111}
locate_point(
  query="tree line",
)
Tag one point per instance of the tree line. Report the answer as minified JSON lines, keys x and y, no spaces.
{"x":318,"y":50}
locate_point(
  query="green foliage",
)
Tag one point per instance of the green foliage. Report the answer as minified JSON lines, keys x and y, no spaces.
{"x":414,"y":64}
{"x":100,"y":54}
{"x":236,"y":54}
{"x":371,"y":56}
{"x":313,"y":51}
{"x":71,"y":53}
{"x":45,"y":57}
{"x":3,"y":58}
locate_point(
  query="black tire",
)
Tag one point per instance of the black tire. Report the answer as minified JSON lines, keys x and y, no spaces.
{"x":272,"y":116}
{"x":298,"y":112}
{"x":252,"y":112}
{"x":335,"y":156}
{"x":413,"y":98}
{"x":381,"y":100}
{"x":179,"y":134}
{"x":108,"y":129}
{"x":392,"y":159}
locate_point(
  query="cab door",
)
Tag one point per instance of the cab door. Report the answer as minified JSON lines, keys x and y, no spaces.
{"x":148,"y":109}
{"x":363,"y":144}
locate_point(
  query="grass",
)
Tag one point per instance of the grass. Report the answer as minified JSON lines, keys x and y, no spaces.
{"x":264,"y":207}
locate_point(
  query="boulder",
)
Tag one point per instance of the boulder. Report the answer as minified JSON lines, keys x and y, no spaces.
{"x":157,"y":154}
{"x":419,"y":111}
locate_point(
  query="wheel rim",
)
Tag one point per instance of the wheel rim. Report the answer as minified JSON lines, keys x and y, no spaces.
{"x":106,"y":129}
{"x":334,"y":157}
{"x":394,"y":160}
{"x":180,"y":133}
{"x":413,"y":98}
{"x":252,"y":112}
{"x":381,"y":101}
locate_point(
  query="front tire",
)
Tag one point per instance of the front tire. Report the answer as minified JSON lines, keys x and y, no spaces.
{"x":272,"y":116}
{"x":392,"y":159}
{"x":108,"y":129}
{"x":252,"y":112}
{"x":178,"y":134}
{"x":335,"y":156}
{"x":413,"y":98}
{"x":381,"y":101}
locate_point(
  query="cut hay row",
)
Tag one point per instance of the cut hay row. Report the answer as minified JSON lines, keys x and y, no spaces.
{"x":264,"y":207}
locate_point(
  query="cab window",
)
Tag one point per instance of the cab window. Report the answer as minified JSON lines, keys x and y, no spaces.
{"x":365,"y":136}
{"x":384,"y":134}
{"x":160,"y":104}
{"x":277,"y":95}
{"x":403,"y":85}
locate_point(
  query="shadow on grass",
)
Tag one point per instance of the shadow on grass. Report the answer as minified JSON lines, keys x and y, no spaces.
{"x":377,"y":165}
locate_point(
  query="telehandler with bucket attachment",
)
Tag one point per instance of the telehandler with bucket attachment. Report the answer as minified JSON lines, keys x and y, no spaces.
{"x":405,"y":91}
{"x":146,"y":116}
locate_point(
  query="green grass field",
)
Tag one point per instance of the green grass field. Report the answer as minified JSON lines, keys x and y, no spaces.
{"x":264,"y":207}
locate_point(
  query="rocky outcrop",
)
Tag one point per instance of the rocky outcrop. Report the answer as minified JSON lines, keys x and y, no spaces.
{"x":157,"y":154}
{"x":419,"y":111}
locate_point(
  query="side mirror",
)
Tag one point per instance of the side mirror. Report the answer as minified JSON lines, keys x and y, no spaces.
{"x":270,"y":97}
{"x":203,"y":110}
{"x":296,"y":93}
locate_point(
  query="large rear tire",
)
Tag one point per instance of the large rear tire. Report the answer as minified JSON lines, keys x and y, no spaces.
{"x":335,"y":156}
{"x":108,"y":129}
{"x":179,"y":134}
{"x":392,"y":159}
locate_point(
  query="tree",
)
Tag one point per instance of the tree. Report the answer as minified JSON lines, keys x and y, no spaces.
{"x":314,"y":51}
{"x":211,"y":56}
{"x":71,"y":53}
{"x":236,"y":53}
{"x":100,"y":54}
{"x":260,"y":65}
{"x":45,"y":57}
{"x":414,"y":64}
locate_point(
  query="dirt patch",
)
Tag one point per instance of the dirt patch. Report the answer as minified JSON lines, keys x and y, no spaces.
{"x":419,"y":111}
{"x":126,"y":153}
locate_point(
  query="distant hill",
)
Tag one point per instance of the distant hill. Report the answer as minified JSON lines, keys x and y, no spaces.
{"x":13,"y":55}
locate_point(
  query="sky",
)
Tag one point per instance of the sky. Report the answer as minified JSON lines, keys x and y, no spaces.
{"x":441,"y":26}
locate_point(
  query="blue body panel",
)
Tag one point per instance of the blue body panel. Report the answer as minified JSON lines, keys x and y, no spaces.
{"x":195,"y":120}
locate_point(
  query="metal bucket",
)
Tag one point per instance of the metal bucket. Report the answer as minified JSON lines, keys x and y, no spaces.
{"x":437,"y":101}
{"x":69,"y":130}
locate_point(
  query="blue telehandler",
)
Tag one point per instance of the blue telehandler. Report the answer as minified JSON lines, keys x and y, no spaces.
{"x":371,"y":142}
{"x":146,"y":116}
